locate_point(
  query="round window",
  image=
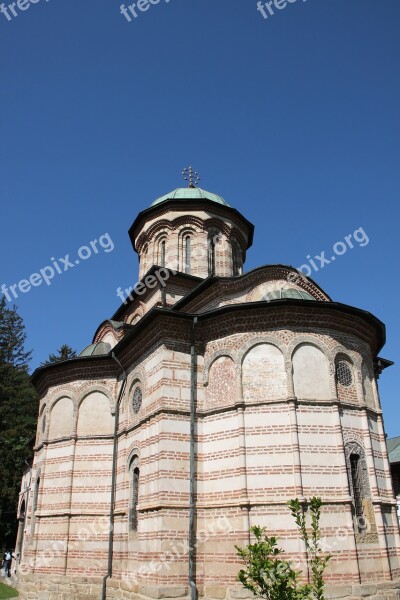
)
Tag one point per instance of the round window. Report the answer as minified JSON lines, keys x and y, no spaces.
{"x":137,"y":400}
{"x":343,"y":374}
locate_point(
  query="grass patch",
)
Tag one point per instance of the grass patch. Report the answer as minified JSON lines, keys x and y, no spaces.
{"x":7,"y":592}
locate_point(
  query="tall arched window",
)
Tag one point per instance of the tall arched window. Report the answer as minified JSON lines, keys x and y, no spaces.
{"x":187,"y":247}
{"x":213,"y":238}
{"x":356,"y":481}
{"x":162,"y":253}
{"x":36,"y":495}
{"x":144,"y":260}
{"x":360,"y":488}
{"x":43,"y":419}
{"x":237,"y":260}
{"x":134,"y":493}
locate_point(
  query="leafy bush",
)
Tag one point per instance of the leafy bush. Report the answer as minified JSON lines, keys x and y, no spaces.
{"x":269,"y":576}
{"x":316,"y":563}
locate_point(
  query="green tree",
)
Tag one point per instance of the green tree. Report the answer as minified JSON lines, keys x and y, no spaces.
{"x":64,"y":353}
{"x":269,"y":576}
{"x":18,"y":412}
{"x":315,"y":561}
{"x":266,"y":574}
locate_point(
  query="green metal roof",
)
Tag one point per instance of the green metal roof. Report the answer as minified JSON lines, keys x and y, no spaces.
{"x":190,"y":194}
{"x":97,"y":349}
{"x":393,"y":446}
{"x":288,"y":293}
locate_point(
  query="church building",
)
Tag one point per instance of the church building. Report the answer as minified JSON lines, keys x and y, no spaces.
{"x":211,"y":398}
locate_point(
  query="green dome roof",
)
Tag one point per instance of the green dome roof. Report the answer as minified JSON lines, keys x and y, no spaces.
{"x":190,"y":194}
{"x":288,"y":293}
{"x":96,"y":349}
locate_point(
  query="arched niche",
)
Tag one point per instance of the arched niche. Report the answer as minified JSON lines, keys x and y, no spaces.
{"x":94,"y":416}
{"x":310,"y":373}
{"x":221,"y":382}
{"x":263,"y":373}
{"x":61,"y":419}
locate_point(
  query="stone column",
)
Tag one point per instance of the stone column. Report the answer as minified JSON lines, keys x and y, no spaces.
{"x":337,"y":424}
{"x":289,"y":379}
{"x":245,"y":504}
{"x":72,"y":467}
{"x":294,"y":431}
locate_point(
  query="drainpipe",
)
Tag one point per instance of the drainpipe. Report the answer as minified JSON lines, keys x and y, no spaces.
{"x":192,"y":515}
{"x":113,"y":479}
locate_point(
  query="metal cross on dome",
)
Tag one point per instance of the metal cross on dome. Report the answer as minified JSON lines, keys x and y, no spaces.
{"x":191,"y":176}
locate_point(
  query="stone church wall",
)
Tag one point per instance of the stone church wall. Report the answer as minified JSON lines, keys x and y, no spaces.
{"x":267,"y":431}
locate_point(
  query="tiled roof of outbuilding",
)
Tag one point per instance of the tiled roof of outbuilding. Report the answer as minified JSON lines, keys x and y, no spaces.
{"x":393,"y":446}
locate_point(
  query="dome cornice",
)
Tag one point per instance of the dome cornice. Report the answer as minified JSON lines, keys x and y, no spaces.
{"x":191,"y":206}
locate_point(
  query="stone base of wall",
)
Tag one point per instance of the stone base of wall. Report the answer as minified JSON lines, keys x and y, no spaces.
{"x":50,"y":587}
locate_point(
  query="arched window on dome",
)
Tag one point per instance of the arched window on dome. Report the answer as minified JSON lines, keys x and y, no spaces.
{"x":162,"y":251}
{"x":213,"y":238}
{"x":237,"y":258}
{"x":144,"y":258}
{"x":185,"y":250}
{"x":187,"y":242}
{"x":134,"y":474}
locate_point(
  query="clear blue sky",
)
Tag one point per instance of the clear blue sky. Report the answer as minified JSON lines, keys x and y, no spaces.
{"x":293,"y":119}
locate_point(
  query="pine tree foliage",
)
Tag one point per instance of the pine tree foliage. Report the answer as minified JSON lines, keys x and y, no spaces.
{"x":64,"y":353}
{"x":18,"y":413}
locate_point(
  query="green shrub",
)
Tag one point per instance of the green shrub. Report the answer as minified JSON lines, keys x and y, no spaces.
{"x":269,"y":576}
